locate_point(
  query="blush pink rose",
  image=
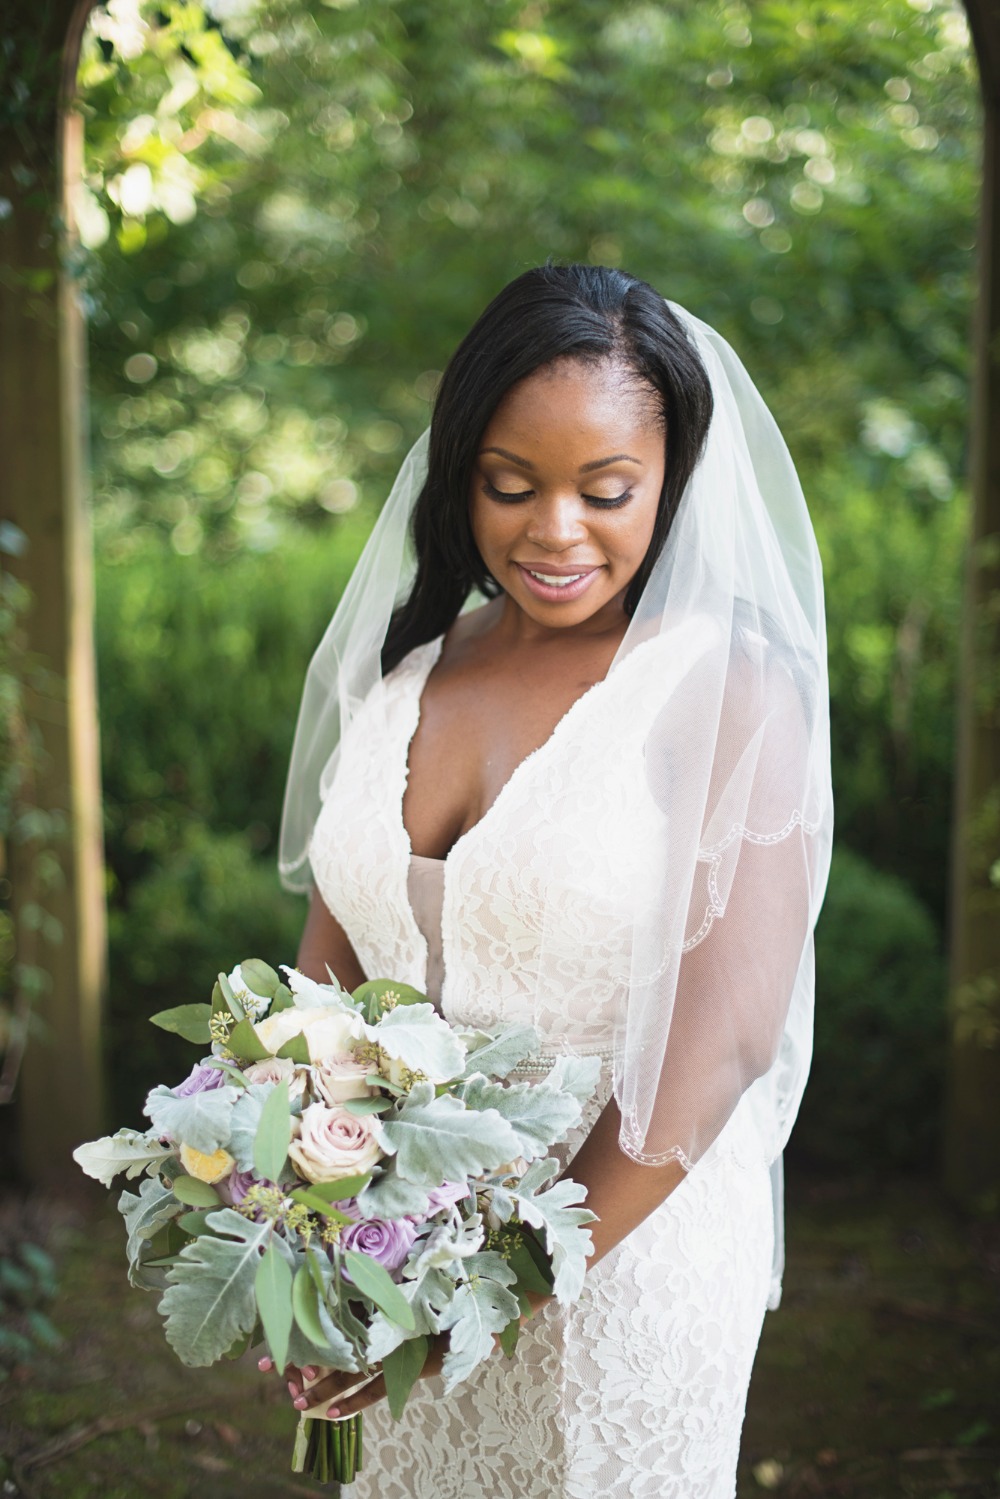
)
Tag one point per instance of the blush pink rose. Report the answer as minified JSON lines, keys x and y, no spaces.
{"x":331,"y":1143}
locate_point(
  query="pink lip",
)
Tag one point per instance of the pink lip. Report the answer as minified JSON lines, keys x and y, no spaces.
{"x":548,"y":591}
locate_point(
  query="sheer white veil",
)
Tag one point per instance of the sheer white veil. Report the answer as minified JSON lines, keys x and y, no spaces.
{"x":717,"y":1012}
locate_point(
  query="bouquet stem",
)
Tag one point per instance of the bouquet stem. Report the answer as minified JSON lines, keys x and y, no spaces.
{"x":329,"y":1451}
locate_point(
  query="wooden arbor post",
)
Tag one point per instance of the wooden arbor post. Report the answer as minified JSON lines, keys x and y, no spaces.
{"x":42,"y":395}
{"x":972,"y":1130}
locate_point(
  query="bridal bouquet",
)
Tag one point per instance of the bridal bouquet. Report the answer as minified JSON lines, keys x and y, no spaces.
{"x":344,"y":1176}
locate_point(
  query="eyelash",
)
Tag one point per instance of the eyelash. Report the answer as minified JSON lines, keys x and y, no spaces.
{"x":506,"y":498}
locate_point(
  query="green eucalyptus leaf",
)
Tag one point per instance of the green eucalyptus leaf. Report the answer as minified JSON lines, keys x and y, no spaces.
{"x":401,"y":1369}
{"x":235,"y":1008}
{"x":305,"y":1299}
{"x":274,"y":1133}
{"x":296,"y":1049}
{"x":378,"y":996}
{"x":283,"y":1000}
{"x":361,"y":1106}
{"x":316,"y":1204}
{"x":245,"y":1043}
{"x":342,"y":1190}
{"x":197,"y":1194}
{"x":189,"y":1021}
{"x":195,"y":1223}
{"x":219,"y":1006}
{"x":259,"y":977}
{"x":509,"y":1337}
{"x":375,"y":1081}
{"x":531,"y":1269}
{"x":273,"y":1290}
{"x":377,"y":1284}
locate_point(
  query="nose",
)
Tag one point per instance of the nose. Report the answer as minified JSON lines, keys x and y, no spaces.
{"x":556,"y":523}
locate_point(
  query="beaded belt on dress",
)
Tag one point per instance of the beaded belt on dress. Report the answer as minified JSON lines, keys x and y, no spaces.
{"x":544,"y":1061}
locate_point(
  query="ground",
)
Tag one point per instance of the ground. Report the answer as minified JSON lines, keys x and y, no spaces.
{"x":879,"y":1378}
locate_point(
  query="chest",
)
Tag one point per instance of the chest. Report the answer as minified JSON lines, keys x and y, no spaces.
{"x":476,"y":727}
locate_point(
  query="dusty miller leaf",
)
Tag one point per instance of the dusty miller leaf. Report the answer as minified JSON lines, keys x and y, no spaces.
{"x":560,"y":1220}
{"x":416,"y":1036}
{"x":481,"y":1307}
{"x":439,"y":1139}
{"x":202,"y":1120}
{"x":128,"y":1151}
{"x":210,"y":1301}
{"x":499,"y":1055}
{"x":144,"y":1214}
{"x":540,"y":1115}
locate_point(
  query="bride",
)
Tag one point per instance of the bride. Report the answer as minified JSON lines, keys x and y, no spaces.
{"x":568,"y":763}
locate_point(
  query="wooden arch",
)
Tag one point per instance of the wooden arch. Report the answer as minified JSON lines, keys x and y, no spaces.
{"x":42,"y":395}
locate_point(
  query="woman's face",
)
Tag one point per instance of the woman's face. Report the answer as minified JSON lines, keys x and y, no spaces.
{"x":565,"y":490}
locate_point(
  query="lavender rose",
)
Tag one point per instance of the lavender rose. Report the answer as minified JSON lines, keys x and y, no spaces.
{"x":203,"y":1077}
{"x":331,"y":1143}
{"x":236,"y":1185}
{"x":388,"y":1241}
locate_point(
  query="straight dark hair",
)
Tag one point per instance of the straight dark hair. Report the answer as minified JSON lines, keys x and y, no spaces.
{"x":584,"y":312}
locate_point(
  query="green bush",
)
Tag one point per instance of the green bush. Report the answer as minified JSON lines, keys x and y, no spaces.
{"x":201,"y":665}
{"x":207,"y":905}
{"x":875,"y":1094}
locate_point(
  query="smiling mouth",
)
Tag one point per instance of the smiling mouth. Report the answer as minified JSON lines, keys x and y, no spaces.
{"x":558,"y":580}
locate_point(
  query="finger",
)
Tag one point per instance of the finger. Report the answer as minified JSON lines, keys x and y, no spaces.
{"x":325,"y":1389}
{"x":265,"y":1364}
{"x":359,"y":1400}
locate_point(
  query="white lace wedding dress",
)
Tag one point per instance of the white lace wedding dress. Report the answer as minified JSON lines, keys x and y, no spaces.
{"x":637,"y":1391}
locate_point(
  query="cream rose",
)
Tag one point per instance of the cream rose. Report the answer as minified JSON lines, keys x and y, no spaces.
{"x":328,"y":1030}
{"x":340,"y":1078}
{"x":207,"y":1168}
{"x":331,"y":1143}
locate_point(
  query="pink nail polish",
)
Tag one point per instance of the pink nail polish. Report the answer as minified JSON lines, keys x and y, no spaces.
{"x":310,"y":1373}
{"x":265,"y":1365}
{"x":333,"y":1410}
{"x":301,"y":1404}
{"x":293,"y":1389}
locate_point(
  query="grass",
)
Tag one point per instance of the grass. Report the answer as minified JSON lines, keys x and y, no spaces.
{"x":879,"y":1376}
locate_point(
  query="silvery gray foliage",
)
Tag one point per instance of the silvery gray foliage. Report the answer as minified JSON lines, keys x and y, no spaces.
{"x":154,"y":1206}
{"x":128,"y":1150}
{"x":202,"y":1120}
{"x":447,"y":1246}
{"x":481,"y":1307}
{"x":557,"y":1214}
{"x":389,"y":1196}
{"x":437,"y":1139}
{"x":497,"y":1056}
{"x":576,"y":1075}
{"x":209,"y":1302}
{"x":421,"y":1040}
{"x":428,"y":1296}
{"x":335,"y":1353}
{"x":539,"y":1114}
{"x":244,"y":1121}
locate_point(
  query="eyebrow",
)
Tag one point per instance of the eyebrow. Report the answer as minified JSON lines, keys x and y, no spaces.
{"x":585,"y":468}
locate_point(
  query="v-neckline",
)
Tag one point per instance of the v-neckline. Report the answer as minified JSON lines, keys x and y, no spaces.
{"x":433,"y":649}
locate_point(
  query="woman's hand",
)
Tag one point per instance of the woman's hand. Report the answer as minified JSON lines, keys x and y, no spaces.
{"x":329,"y":1385}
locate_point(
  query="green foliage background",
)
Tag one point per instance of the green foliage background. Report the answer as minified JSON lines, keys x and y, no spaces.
{"x":294,"y":211}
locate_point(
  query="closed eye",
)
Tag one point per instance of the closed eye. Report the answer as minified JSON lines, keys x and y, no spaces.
{"x":505,"y":496}
{"x":515,"y":497}
{"x":608,"y":504}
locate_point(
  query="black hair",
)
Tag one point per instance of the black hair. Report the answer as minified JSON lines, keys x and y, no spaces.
{"x":582,"y":312}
